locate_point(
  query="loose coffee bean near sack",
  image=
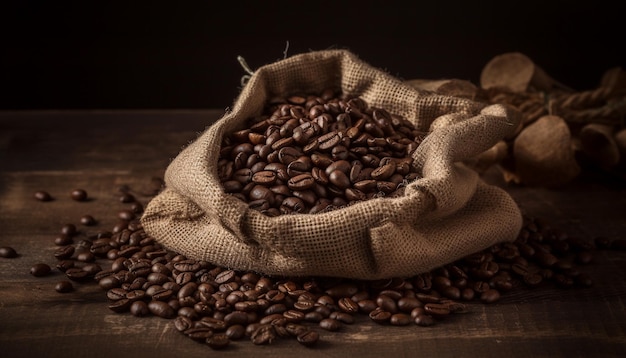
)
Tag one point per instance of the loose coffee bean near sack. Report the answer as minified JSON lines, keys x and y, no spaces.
{"x":442,"y":212}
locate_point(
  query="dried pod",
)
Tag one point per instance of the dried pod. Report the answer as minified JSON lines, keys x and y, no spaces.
{"x":449,"y":87}
{"x":490,"y":157}
{"x":517,"y":73}
{"x":598,"y":144}
{"x":544,"y":154}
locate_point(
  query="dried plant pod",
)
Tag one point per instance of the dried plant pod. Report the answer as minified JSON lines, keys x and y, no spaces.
{"x":490,"y":157}
{"x":517,"y":73}
{"x":615,"y":79}
{"x":450,"y":87}
{"x":599,"y":145}
{"x":543,"y":153}
{"x":620,"y":142}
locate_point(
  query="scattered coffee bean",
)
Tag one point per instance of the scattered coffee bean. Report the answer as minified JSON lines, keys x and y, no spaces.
{"x":79,"y":195}
{"x":42,"y":195}
{"x":63,"y":240}
{"x":40,"y":269}
{"x":7,"y":252}
{"x":64,"y":287}
{"x":127,"y":198}
{"x":69,"y":230}
{"x":139,"y":309}
{"x":88,"y":220}
{"x":308,"y":338}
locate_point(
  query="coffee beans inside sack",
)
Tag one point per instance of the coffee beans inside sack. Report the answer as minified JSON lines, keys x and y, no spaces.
{"x":326,"y":165}
{"x":311,"y":153}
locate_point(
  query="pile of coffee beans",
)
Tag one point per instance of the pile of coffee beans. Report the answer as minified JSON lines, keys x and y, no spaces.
{"x":218,"y":306}
{"x":311,"y":153}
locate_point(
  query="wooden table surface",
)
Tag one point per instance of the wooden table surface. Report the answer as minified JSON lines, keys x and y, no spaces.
{"x":102,"y":151}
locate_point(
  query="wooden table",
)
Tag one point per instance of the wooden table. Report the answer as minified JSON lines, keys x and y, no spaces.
{"x":102,"y":151}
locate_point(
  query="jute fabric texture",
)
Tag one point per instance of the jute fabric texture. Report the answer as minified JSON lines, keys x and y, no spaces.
{"x":445,"y":214}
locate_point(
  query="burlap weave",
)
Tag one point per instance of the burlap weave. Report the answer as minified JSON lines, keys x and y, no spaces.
{"x":446,"y":214}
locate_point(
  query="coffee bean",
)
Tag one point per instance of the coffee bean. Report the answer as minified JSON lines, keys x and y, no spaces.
{"x":400,"y":319}
{"x":379,"y":315}
{"x":64,"y":252}
{"x":8,"y":252}
{"x":79,"y":195}
{"x":218,"y":341}
{"x":42,"y":195}
{"x":330,"y":324}
{"x":301,"y":182}
{"x":88,"y":220}
{"x":64,"y":287}
{"x":263,"y":334}
{"x":308,"y":338}
{"x":69,"y":230}
{"x":40,"y":269}
{"x":490,"y":296}
{"x":139,"y":309}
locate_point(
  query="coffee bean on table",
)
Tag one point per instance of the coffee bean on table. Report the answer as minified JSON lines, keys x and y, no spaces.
{"x":161,"y":309}
{"x":42,"y":195}
{"x":64,"y":287}
{"x":7,"y":252}
{"x":79,"y":194}
{"x":218,"y":341}
{"x":40,"y":269}
{"x":127,"y":198}
{"x":69,"y":229}
{"x":63,"y":239}
{"x":87,"y":220}
{"x":139,"y":309}
{"x":308,"y":338}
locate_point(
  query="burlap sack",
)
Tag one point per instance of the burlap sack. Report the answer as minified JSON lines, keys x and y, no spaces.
{"x":446,"y":214}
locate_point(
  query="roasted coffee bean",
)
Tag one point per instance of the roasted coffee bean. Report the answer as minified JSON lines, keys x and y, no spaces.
{"x":437,"y":309}
{"x":79,"y":194}
{"x":69,"y":230}
{"x":64,"y":287}
{"x":379,"y":315}
{"x":235,"y":332}
{"x":121,"y":305}
{"x":330,"y":324}
{"x":88,"y":220}
{"x":263,"y":334}
{"x":308,"y":338}
{"x":342,"y":317}
{"x":301,"y":182}
{"x":161,"y":309}
{"x":387,"y":304}
{"x":139,"y":309}
{"x":43,"y":195}
{"x":40,"y":269}
{"x":64,"y":265}
{"x":400,"y":319}
{"x":424,"y":320}
{"x":218,"y":341}
{"x":490,"y":296}
{"x":407,"y":304}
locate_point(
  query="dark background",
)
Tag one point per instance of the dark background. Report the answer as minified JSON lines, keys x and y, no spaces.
{"x":183,"y":54}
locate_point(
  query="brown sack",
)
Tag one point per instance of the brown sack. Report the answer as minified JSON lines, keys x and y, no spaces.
{"x":447,"y":213}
